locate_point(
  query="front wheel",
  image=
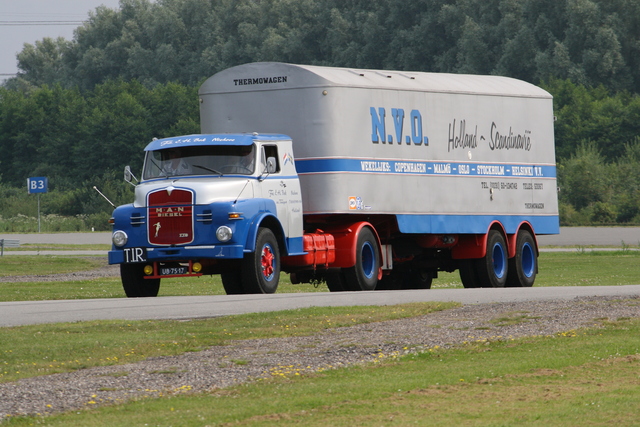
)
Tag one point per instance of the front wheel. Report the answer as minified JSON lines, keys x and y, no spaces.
{"x":261,"y":268}
{"x":134,"y":283}
{"x":232,"y":282}
{"x":364,"y":275}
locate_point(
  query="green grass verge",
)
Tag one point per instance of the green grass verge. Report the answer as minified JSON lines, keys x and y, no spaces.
{"x":58,"y":247}
{"x":26,"y":265}
{"x":28,"y":351}
{"x":584,"y":377}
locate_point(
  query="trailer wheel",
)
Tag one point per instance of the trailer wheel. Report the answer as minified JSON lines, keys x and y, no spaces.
{"x":134,"y":283}
{"x":417,"y":279}
{"x":492,"y":269}
{"x":524,"y":266}
{"x":390,"y":282}
{"x":468,"y":273}
{"x":364,"y":275}
{"x":232,"y":282}
{"x":261,"y":269}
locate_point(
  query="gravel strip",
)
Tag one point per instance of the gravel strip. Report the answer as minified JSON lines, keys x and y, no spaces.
{"x":104,"y":271}
{"x":249,"y":360}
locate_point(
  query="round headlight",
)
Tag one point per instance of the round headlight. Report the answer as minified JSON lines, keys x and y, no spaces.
{"x":224,"y":233}
{"x":119,"y":238}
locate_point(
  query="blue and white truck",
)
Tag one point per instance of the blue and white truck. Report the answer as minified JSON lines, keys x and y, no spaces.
{"x":363,"y":179}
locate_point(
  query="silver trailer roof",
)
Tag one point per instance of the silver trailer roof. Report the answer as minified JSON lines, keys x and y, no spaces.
{"x":304,"y":76}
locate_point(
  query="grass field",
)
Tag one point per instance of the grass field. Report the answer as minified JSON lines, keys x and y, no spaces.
{"x":586,"y":377}
{"x":577,"y":378}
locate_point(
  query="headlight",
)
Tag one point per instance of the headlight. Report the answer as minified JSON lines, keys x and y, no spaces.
{"x":224,"y":233}
{"x":119,"y":238}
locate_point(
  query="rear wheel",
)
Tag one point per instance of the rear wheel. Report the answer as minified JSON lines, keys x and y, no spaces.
{"x":261,"y":269}
{"x":134,"y":283}
{"x":336,"y":282}
{"x":364,"y":275}
{"x":524,"y":266}
{"x":492,"y":269}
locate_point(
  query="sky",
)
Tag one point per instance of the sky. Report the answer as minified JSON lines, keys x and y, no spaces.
{"x":25,"y":21}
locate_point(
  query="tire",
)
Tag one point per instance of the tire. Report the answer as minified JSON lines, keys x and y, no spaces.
{"x":261,"y":269}
{"x":492,"y":270}
{"x":364,"y":275}
{"x":417,"y":279}
{"x":232,"y":282}
{"x":390,"y":282}
{"x":524,"y":266}
{"x":468,"y":274}
{"x":134,"y":283}
{"x":336,"y":282}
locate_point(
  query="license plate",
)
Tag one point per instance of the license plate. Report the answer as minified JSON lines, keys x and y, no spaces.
{"x":170,"y":271}
{"x":132,"y":255}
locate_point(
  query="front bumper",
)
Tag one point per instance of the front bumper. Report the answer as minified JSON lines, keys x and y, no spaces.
{"x":175,"y":253}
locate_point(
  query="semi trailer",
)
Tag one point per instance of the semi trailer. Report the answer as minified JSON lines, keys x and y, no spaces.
{"x":362,"y":179}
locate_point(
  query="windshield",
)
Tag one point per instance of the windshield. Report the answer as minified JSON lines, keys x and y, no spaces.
{"x":200,"y":160}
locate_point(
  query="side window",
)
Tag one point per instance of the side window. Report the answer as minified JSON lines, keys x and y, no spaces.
{"x":270,"y":151}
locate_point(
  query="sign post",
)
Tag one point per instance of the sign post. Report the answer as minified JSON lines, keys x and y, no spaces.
{"x":38,"y":185}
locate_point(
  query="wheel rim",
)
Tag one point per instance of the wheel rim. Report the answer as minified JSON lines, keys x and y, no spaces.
{"x":499,"y":260}
{"x":267,"y":259}
{"x":528,"y":260}
{"x":368,"y":257}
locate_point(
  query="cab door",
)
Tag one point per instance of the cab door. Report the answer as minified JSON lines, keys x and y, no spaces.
{"x":282,"y":186}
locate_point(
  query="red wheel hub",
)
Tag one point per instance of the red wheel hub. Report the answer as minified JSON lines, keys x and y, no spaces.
{"x":267,"y":261}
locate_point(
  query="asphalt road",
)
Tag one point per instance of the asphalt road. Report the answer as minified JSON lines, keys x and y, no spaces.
{"x":593,"y":236}
{"x":192,"y":307}
{"x":23,"y":313}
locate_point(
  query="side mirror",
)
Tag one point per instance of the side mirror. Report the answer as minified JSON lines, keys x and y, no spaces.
{"x":129,"y":176}
{"x":271,"y":165}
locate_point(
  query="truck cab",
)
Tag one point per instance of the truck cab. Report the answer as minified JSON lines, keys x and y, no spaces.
{"x":202,"y":205}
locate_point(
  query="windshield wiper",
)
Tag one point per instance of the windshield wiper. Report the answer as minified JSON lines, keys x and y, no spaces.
{"x":161,"y":171}
{"x":208,"y":169}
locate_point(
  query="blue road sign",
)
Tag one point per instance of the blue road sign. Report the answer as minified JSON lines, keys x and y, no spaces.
{"x":38,"y":184}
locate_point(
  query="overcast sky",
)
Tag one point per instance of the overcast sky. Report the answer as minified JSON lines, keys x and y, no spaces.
{"x":25,"y":21}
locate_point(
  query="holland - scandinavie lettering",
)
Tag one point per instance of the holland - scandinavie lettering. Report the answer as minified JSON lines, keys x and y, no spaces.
{"x":509,"y":141}
{"x":463,"y":139}
{"x":259,"y":81}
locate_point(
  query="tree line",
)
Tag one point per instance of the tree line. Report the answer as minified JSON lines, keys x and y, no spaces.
{"x":80,"y":109}
{"x":590,"y":42}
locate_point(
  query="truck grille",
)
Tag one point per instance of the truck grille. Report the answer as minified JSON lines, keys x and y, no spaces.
{"x":170,"y":213}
